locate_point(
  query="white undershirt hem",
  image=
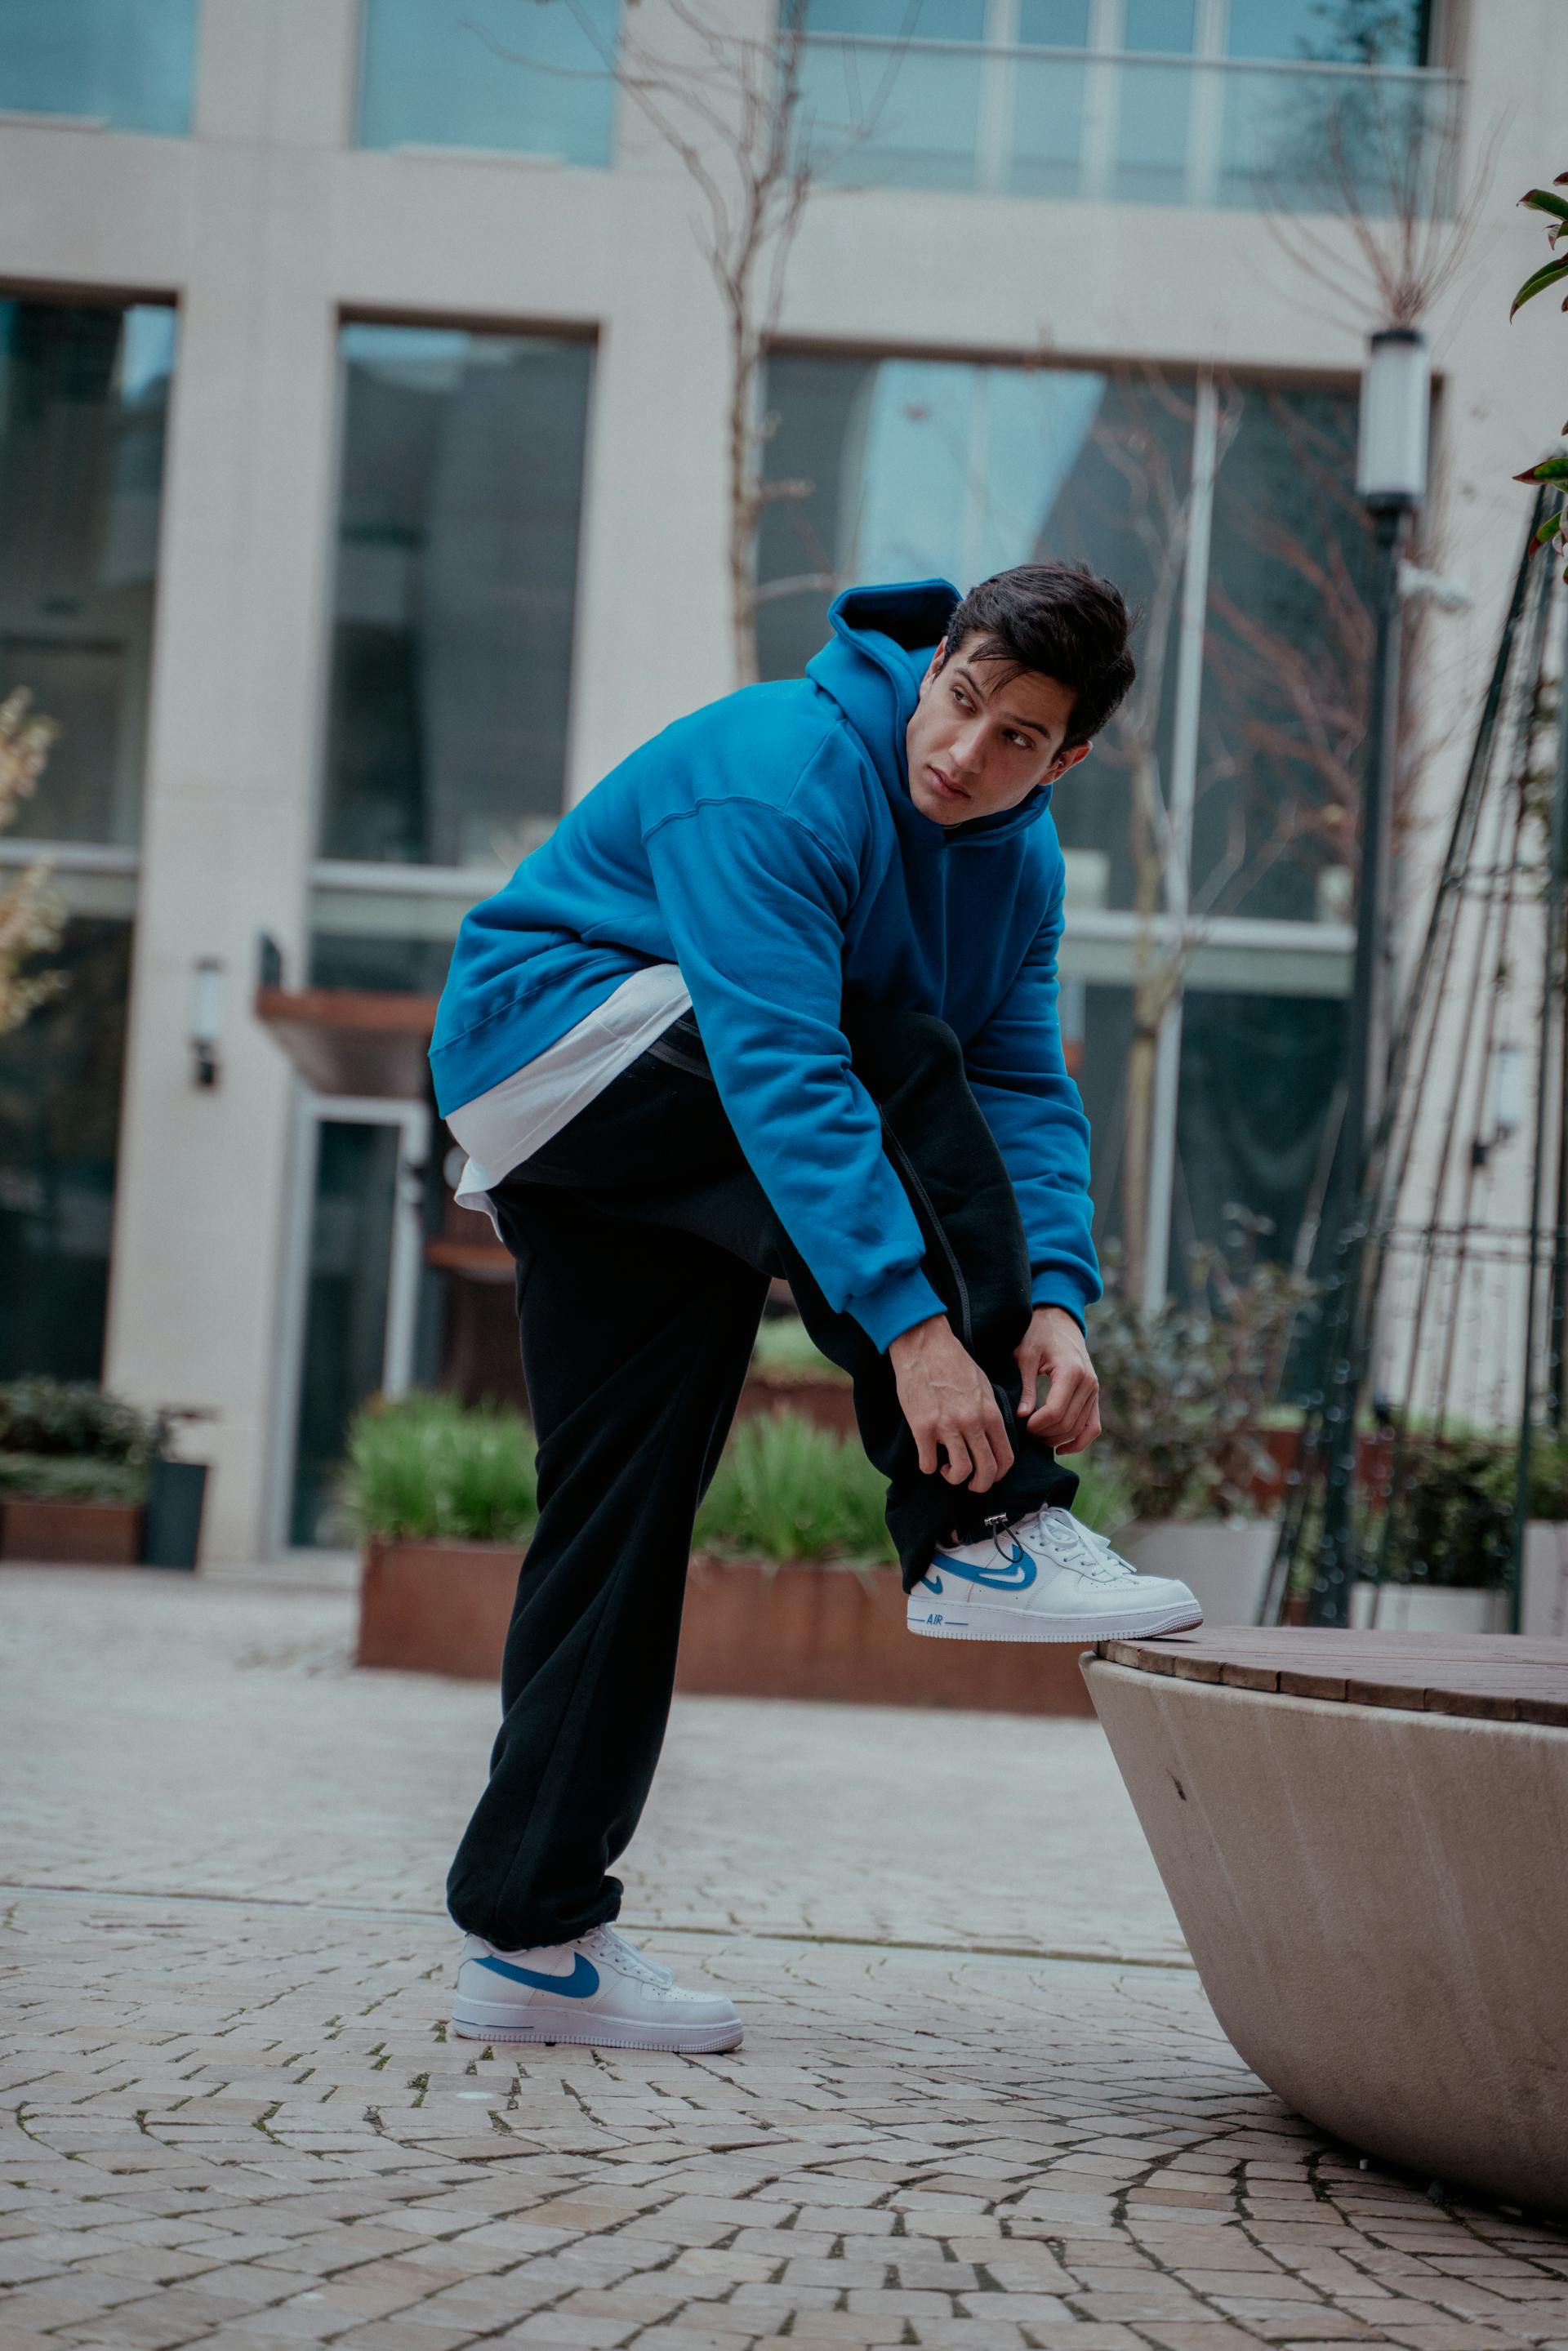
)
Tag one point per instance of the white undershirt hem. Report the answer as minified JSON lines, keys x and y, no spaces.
{"x":501,"y":1128}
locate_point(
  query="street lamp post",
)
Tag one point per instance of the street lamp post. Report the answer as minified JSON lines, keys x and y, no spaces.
{"x":1390,"y":481}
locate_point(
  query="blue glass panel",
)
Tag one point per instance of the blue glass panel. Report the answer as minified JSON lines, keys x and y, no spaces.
{"x":129,"y":63}
{"x":898,"y":20}
{"x":1323,"y":142}
{"x":1328,"y":33}
{"x":1163,"y":26}
{"x":455,"y":593}
{"x":522,"y":76}
{"x":922,"y":108}
{"x":1054,"y":24}
{"x":84,"y":396}
{"x":1153,"y":104}
{"x":1047,"y":127}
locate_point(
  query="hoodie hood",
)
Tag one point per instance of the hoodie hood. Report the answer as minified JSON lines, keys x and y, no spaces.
{"x":883,"y":640}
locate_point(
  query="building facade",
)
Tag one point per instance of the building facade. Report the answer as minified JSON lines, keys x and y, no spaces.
{"x":363,"y":416}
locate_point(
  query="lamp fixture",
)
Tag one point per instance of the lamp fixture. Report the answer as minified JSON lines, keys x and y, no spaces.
{"x":1395,"y":396}
{"x":206,"y":1018}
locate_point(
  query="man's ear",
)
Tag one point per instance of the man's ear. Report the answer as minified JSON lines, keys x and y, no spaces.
{"x":1065,"y":759}
{"x":938,"y":658}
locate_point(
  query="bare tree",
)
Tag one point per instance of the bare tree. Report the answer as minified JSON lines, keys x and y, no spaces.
{"x":732,"y":106}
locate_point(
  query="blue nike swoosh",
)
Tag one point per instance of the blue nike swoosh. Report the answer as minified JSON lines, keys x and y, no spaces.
{"x":1015,"y":1574}
{"x":583,"y":1982}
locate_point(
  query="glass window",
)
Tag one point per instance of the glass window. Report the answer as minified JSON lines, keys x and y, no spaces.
{"x":1053,"y":23}
{"x":921,"y":467}
{"x":1101,"y":1080}
{"x":527,"y":76}
{"x":128,"y":63}
{"x":1286,"y":661}
{"x":405,"y":967}
{"x":1258,"y":1093}
{"x":904,"y":20}
{"x":457,"y":535}
{"x":1166,"y":26}
{"x":1328,"y":32}
{"x":84,"y":396}
{"x":60,"y":1078}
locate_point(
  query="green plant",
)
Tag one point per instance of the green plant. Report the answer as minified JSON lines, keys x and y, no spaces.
{"x":785,"y":1356}
{"x":1550,"y":471}
{"x":788,"y":1489}
{"x":1103,"y":1501}
{"x":67,"y":1478}
{"x":1452,"y":1518}
{"x":72,"y":1417}
{"x":426,"y":1466}
{"x":1187,"y":1387}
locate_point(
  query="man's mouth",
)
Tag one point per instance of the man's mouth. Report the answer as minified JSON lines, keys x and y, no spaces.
{"x":946,"y":788}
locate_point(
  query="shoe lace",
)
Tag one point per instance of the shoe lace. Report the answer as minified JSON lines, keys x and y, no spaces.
{"x":1060,"y":1536}
{"x":605,"y":1943}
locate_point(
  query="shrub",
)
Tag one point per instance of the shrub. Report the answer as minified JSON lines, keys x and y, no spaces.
{"x":72,"y":1478}
{"x":789,"y":1489}
{"x":428,"y":1466}
{"x":72,"y":1417}
{"x":1189,"y":1387}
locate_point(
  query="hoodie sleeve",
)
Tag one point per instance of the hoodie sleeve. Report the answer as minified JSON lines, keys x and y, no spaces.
{"x":1032,"y":1107}
{"x":756,"y":906}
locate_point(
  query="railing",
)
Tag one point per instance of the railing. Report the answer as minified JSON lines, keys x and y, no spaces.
{"x":1116,"y":128}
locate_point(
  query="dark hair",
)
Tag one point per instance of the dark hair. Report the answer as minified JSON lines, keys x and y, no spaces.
{"x":1062,"y":619}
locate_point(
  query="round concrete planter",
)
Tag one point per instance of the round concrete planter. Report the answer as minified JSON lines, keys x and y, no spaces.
{"x":1223,"y":1562}
{"x":1376,"y":1898}
{"x":750,"y":1629}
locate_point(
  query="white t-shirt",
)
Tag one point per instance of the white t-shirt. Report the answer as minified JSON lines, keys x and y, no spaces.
{"x":500,"y":1129}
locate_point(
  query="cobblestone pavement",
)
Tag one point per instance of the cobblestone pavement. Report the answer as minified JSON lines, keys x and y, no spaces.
{"x":229,"y":2114}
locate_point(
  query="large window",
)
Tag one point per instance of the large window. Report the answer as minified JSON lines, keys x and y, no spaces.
{"x":1208,"y":838}
{"x":59,"y":1118}
{"x":522,"y":76}
{"x":457,"y":537}
{"x":129,"y":64}
{"x":1302,"y":104}
{"x":84,"y":395}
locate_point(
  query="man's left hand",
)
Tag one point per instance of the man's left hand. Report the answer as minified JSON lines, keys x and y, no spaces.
{"x":1054,"y":1349}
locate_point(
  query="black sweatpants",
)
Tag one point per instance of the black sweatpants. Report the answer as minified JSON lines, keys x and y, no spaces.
{"x":644,"y":1246}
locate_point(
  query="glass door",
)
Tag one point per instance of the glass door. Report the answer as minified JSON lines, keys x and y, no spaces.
{"x":355,"y":1288}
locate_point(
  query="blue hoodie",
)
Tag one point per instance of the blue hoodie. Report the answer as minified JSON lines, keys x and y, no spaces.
{"x":768,"y":846}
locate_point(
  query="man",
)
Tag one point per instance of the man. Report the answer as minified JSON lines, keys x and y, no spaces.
{"x":779,"y":996}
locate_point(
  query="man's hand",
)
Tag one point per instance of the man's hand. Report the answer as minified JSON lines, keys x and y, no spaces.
{"x":1054,"y":1348}
{"x":948,"y":1402}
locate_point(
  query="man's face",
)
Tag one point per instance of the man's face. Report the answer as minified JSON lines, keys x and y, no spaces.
{"x":979,"y":741}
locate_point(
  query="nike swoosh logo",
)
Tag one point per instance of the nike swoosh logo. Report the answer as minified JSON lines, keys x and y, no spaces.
{"x":1015,"y":1574}
{"x":583,"y":1982}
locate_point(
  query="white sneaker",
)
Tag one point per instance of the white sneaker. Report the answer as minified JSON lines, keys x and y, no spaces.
{"x":1044,"y":1578}
{"x":598,"y":1991}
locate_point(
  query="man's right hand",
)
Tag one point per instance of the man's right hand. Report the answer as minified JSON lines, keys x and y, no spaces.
{"x":949,"y":1403}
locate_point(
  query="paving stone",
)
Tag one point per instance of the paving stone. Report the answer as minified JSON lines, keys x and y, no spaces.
{"x":230,"y":2117}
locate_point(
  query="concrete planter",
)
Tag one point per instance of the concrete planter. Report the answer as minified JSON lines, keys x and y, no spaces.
{"x":1370,"y":1884}
{"x":750,"y":1630}
{"x":1224,"y":1561}
{"x":1427,"y":1608}
{"x":71,"y":1534}
{"x":1545,"y":1609}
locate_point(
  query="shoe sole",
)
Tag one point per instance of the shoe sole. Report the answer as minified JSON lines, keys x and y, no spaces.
{"x":1016,"y":1625}
{"x":549,"y":2021}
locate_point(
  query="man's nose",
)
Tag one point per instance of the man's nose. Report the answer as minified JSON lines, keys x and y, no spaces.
{"x":968,"y":748}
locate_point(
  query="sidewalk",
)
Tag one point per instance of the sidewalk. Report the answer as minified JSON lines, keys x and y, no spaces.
{"x":981,"y":2101}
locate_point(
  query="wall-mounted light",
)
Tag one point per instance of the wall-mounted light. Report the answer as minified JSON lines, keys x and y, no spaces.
{"x":1396,"y":397}
{"x":206,"y":1018}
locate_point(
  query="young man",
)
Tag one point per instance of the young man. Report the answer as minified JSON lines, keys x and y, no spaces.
{"x":779,"y":997}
